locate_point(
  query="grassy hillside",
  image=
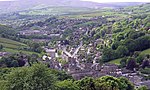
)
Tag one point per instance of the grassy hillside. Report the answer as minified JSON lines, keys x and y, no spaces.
{"x":120,"y":14}
{"x":13,"y":46}
{"x":56,"y":11}
{"x":7,"y":43}
{"x":117,"y":61}
{"x":145,"y":51}
{"x":17,"y":51}
{"x":109,"y":13}
{"x":145,"y":8}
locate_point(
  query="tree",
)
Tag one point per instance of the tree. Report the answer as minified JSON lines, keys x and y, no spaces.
{"x":37,"y":77}
{"x":143,"y":88}
{"x":120,"y":37}
{"x":131,"y":64}
{"x":145,"y":63}
{"x":125,"y":84}
{"x":140,"y":58}
{"x":66,"y":85}
{"x":107,"y":83}
{"x":33,"y":59}
{"x":102,"y":33}
{"x":3,"y":85}
{"x":123,"y":62}
{"x":130,"y":44}
{"x":135,"y":34}
{"x":115,"y":45}
{"x":108,"y":54}
{"x":1,"y":47}
{"x":86,"y":83}
{"x":14,"y":63}
{"x":61,"y":75}
{"x":40,"y":77}
{"x":112,"y":83}
{"x":122,"y":51}
{"x":14,"y":60}
{"x":117,"y":27}
{"x":36,"y":47}
{"x":143,"y":43}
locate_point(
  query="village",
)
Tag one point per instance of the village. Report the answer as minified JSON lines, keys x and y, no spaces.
{"x":59,"y":28}
{"x":79,"y":68}
{"x":72,"y":53}
{"x":74,"y":45}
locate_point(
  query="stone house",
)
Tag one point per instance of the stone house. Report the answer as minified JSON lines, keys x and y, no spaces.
{"x":110,"y":69}
{"x":145,"y":83}
{"x":4,"y":54}
{"x":51,"y":52}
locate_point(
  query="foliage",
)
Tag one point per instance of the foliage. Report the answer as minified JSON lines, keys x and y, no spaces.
{"x":105,"y":83}
{"x":143,"y":88}
{"x":112,"y":83}
{"x":61,"y":75}
{"x":123,"y":62}
{"x":131,"y":64}
{"x":66,"y":85}
{"x":143,"y":43}
{"x":86,"y":83}
{"x":140,"y":58}
{"x":125,"y":84}
{"x":36,"y":47}
{"x":1,"y":47}
{"x":145,"y":63}
{"x":6,"y":30}
{"x":37,"y":77}
{"x":122,"y":51}
{"x":8,"y":43}
{"x":14,"y":60}
{"x":108,"y":54}
{"x":116,"y":61}
{"x":145,"y":71}
{"x":40,"y":77}
{"x":130,"y":44}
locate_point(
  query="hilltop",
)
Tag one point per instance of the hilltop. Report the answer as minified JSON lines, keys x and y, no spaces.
{"x":13,"y":6}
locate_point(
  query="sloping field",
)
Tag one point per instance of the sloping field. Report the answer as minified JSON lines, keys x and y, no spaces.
{"x":7,"y":43}
{"x":117,"y":61}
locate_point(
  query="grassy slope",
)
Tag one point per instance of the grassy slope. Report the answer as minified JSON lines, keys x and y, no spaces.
{"x":4,"y":40}
{"x":117,"y":61}
{"x":12,"y":46}
{"x":55,"y":11}
{"x":139,"y":9}
{"x":7,"y":43}
{"x":97,"y":13}
{"x":109,"y":12}
{"x":17,"y":51}
{"x":146,"y":51}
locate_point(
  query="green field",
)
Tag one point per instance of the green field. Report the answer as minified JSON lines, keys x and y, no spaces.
{"x":7,"y":43}
{"x":96,"y":13}
{"x":4,"y":40}
{"x":13,"y":46}
{"x":62,"y":10}
{"x":18,"y":51}
{"x":145,"y":52}
{"x":117,"y":61}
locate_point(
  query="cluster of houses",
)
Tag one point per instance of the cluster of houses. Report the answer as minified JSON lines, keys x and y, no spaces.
{"x":57,"y":27}
{"x":80,"y":60}
{"x":2,"y":54}
{"x":78,"y":68}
